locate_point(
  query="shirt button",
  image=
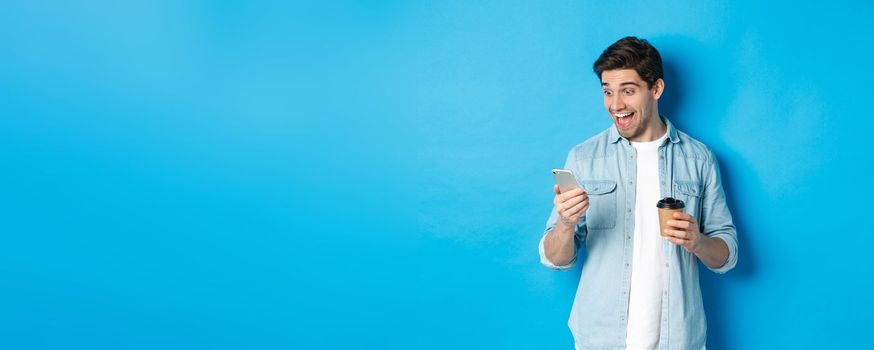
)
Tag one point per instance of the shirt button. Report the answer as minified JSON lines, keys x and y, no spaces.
{"x":630,"y":182}
{"x":627,"y":237}
{"x":661,"y":157}
{"x":629,"y":210}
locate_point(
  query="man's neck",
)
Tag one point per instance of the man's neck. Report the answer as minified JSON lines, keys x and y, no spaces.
{"x":654,"y":131}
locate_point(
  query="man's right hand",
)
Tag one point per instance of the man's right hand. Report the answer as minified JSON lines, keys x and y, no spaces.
{"x":570,"y":206}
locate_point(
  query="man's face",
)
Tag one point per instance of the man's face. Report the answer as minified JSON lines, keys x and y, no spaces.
{"x":632,"y":105}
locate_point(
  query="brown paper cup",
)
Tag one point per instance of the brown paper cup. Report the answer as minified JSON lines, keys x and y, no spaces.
{"x":667,"y":207}
{"x":664,"y":216}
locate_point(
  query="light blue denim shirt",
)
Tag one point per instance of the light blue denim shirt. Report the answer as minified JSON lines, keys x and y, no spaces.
{"x":606,"y":167}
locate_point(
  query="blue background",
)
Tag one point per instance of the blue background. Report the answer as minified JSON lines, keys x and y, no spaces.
{"x":308,"y":175}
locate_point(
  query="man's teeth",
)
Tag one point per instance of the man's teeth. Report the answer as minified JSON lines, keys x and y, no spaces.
{"x":623,"y":115}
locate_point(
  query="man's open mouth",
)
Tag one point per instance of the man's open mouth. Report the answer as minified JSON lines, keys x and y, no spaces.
{"x":623,"y":120}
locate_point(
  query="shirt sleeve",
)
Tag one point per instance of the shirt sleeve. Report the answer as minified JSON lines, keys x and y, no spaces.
{"x":716,"y":220}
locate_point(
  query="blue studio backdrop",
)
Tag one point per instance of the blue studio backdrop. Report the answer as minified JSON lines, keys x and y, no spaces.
{"x":375,"y":174}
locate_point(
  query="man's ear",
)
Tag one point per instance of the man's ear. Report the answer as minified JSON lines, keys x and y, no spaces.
{"x":658,"y":88}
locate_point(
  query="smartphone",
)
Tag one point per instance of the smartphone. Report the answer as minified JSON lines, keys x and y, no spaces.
{"x":565,"y":179}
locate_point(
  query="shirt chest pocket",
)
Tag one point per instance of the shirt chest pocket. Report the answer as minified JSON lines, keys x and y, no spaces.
{"x":602,"y":204}
{"x":690,"y":192}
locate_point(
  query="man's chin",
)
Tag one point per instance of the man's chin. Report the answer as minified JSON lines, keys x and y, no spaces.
{"x":628,"y":133}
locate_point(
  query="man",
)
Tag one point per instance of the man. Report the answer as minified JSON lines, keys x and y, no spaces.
{"x":639,"y":287}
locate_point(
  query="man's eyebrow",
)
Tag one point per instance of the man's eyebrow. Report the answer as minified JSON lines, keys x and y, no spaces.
{"x":622,"y":84}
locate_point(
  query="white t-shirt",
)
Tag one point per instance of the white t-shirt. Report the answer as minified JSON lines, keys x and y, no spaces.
{"x":645,"y":299}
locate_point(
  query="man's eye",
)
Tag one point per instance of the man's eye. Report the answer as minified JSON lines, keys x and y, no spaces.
{"x":629,"y":92}
{"x":608,"y":93}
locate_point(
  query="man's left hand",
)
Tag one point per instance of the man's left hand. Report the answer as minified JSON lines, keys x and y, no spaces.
{"x":683,"y":231}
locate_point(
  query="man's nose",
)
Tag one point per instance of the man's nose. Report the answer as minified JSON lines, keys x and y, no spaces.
{"x":616,"y":103}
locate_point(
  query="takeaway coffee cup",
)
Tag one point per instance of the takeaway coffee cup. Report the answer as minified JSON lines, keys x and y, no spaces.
{"x":667,"y":207}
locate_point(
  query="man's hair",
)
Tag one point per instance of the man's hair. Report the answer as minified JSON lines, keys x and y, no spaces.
{"x":632,"y":53}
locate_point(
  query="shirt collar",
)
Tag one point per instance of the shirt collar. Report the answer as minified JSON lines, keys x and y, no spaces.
{"x":672,"y":132}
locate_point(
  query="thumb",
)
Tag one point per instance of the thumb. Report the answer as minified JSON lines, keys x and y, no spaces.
{"x":555,"y":189}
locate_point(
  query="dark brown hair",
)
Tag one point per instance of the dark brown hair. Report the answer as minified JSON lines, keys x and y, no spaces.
{"x":632,"y":53}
